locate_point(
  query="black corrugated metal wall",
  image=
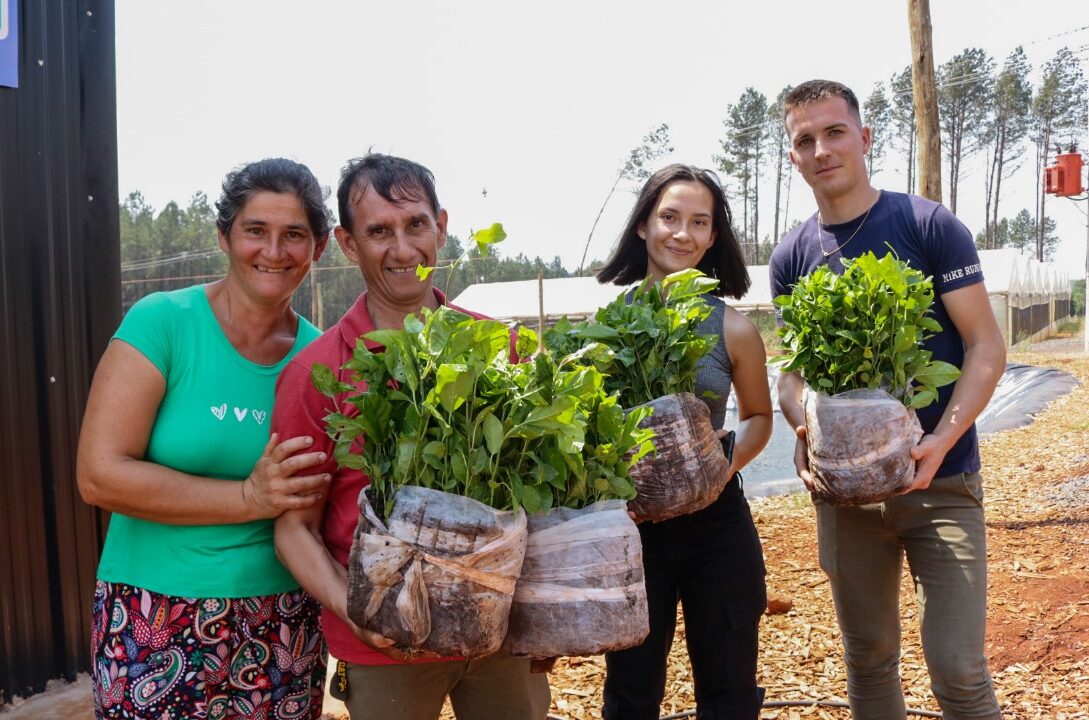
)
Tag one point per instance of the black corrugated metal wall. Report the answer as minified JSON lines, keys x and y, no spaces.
{"x":59,"y":302}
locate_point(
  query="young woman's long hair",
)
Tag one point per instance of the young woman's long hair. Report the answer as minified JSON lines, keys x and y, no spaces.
{"x":627,"y":264}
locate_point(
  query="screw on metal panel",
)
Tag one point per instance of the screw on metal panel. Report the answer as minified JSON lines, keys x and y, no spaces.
{"x":90,"y":198}
{"x":52,"y":379}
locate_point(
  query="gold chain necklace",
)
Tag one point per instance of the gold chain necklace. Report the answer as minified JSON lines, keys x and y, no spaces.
{"x":837,"y":248}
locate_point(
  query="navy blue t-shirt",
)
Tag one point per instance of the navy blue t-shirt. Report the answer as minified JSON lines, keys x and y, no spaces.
{"x":932,"y":240}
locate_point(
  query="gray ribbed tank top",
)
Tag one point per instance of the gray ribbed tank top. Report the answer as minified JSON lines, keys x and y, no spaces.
{"x":713,"y":371}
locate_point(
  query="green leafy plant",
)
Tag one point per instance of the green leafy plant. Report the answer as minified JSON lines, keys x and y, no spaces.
{"x":445,"y":408}
{"x":864,"y":329}
{"x":652,"y":333}
{"x":484,"y":239}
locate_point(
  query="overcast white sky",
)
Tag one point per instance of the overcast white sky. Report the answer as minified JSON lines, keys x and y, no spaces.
{"x":540,"y":104}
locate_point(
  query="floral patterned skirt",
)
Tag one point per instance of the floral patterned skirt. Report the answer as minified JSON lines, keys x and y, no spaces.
{"x":160,"y":656}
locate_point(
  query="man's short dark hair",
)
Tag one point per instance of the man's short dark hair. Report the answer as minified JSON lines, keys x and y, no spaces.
{"x":395,"y":179}
{"x":812,"y":91}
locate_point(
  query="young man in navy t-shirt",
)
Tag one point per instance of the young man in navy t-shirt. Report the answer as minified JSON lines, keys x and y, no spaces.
{"x":938,"y":523}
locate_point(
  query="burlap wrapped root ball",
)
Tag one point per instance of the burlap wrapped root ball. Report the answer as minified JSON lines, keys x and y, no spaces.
{"x":686,"y":471}
{"x":440,"y":578}
{"x":581,"y":591}
{"x":859,"y":445}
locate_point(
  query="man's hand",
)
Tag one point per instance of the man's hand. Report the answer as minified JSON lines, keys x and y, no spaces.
{"x":801,"y":458}
{"x":928,"y":456}
{"x":984,"y":363}
{"x":379,"y":642}
{"x":384,"y":645}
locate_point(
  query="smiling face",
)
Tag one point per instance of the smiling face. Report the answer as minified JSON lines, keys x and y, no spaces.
{"x":828,"y":146}
{"x":680,"y":228}
{"x":270,"y":247}
{"x":388,"y":241}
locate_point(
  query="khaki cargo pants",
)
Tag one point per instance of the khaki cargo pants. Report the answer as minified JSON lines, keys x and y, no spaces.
{"x":941,"y":532}
{"x":497,"y":687}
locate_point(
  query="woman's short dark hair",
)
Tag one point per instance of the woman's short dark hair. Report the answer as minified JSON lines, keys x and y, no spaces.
{"x":277,"y":175}
{"x":394,"y":179}
{"x":627,"y":264}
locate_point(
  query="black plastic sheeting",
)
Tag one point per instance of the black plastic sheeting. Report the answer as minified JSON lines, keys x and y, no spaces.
{"x":1023,"y":391}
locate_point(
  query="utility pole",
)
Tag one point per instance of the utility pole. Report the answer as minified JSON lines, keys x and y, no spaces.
{"x":925,"y":96}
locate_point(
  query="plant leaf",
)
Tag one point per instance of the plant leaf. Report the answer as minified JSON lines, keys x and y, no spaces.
{"x":484,"y":239}
{"x":493,"y":434}
{"x":325,"y":381}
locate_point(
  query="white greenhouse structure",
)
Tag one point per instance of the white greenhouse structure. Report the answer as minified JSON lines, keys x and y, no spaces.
{"x":526,"y":302}
{"x":1029,"y":298}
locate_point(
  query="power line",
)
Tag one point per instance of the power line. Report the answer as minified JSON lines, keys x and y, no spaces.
{"x":195,"y":255}
{"x":170,"y":278}
{"x":1057,"y":35}
{"x":949,"y":83}
{"x":169,"y":259}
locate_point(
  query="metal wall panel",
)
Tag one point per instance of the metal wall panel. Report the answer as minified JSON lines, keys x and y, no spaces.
{"x":59,"y":303}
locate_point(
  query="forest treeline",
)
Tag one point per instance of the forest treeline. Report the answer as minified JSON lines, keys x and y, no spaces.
{"x":985,"y":107}
{"x":178,"y":247}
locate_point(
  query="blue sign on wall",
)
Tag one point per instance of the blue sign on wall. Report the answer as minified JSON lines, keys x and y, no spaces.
{"x":9,"y":43}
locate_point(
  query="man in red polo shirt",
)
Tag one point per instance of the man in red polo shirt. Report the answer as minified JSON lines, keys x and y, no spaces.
{"x":391,"y":222}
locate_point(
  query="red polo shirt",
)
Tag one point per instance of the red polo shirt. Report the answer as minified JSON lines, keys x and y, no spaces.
{"x":299,"y":410}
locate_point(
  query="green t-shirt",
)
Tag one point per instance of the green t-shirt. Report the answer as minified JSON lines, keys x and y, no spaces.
{"x":213,"y":421}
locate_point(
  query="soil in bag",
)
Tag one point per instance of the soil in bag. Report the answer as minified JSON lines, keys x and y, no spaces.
{"x":687,"y":471}
{"x":859,"y":445}
{"x":581,"y":591}
{"x":440,"y":577}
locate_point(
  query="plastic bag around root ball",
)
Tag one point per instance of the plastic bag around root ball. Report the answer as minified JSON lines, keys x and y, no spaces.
{"x":441,"y":577}
{"x":687,"y":470}
{"x":859,"y":445}
{"x":581,"y":590}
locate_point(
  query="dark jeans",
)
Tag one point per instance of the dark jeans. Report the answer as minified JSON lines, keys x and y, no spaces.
{"x":712,"y":563}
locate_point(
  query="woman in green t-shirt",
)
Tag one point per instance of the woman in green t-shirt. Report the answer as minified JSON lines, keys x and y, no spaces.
{"x":193,"y":614}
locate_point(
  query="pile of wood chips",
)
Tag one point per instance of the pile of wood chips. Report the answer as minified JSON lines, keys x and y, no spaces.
{"x":1038,"y":621}
{"x":1036,"y":481}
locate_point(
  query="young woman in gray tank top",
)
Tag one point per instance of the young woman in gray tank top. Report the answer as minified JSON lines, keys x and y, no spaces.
{"x":710,"y":561}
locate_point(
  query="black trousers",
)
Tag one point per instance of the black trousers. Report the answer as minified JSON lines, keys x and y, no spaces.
{"x":712,"y":563}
